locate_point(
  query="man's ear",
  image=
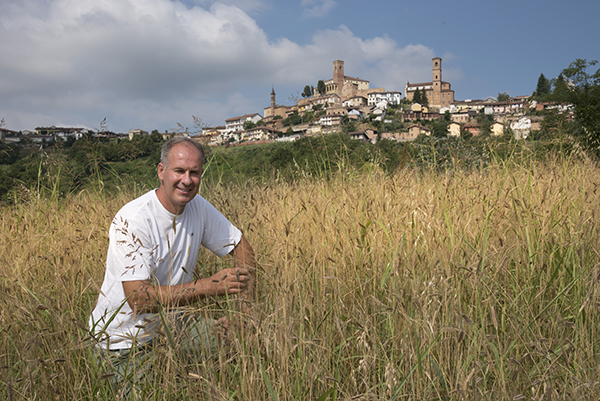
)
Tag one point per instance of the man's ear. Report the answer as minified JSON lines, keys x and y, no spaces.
{"x":160,"y":170}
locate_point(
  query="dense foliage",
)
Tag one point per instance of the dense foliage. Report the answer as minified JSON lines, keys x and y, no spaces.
{"x":584,"y":93}
{"x":65,"y":167}
{"x":90,"y":163}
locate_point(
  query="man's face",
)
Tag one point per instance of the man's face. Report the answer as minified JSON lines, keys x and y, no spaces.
{"x":180,"y":178}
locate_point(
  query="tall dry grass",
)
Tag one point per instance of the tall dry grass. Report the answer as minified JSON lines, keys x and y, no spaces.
{"x":479,"y":285}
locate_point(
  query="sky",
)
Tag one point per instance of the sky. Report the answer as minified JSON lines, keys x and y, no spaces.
{"x":155,"y":64}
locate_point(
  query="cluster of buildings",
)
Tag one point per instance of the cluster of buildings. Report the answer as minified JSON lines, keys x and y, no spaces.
{"x":43,"y":135}
{"x":351,"y":99}
{"x":346,"y":99}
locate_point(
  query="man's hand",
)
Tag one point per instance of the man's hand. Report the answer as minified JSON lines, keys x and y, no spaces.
{"x":143,"y":296}
{"x":233,"y":280}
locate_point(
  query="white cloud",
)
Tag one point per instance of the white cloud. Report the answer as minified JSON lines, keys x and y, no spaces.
{"x":250,"y":6}
{"x":152,"y":63}
{"x":379,"y":60}
{"x":317,"y":8}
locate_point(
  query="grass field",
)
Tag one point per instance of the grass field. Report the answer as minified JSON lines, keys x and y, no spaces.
{"x":480,"y":285}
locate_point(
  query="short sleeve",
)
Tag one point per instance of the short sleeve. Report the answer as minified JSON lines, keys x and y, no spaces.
{"x":220,"y":235}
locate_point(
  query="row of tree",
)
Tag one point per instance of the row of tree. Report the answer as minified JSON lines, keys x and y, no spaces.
{"x":579,"y":86}
{"x":310,"y":90}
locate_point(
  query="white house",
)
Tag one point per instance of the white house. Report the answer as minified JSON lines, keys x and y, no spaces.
{"x":236,"y":124}
{"x":389,"y":97}
{"x":355,"y":102}
{"x":330,"y":119}
{"x":259,"y":134}
{"x":521,"y":128}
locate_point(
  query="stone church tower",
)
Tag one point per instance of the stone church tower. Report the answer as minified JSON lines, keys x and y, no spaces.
{"x":439,"y":93}
{"x":437,"y":82}
{"x":338,"y":75}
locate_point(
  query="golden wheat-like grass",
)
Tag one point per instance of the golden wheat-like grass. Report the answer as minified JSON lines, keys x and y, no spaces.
{"x":419,"y":285}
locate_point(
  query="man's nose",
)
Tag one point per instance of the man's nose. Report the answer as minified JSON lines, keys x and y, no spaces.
{"x":186,"y":179}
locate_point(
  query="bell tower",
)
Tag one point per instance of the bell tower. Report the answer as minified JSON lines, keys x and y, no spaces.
{"x":273,"y":99}
{"x":437,"y":82}
{"x":338,"y":75}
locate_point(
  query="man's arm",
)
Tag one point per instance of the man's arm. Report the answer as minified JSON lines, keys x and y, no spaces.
{"x":143,"y":297}
{"x":243,"y":258}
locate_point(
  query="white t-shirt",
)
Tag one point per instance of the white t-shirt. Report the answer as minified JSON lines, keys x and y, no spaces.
{"x":146,"y":242}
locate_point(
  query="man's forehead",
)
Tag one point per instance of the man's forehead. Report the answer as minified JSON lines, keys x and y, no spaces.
{"x":182,"y":151}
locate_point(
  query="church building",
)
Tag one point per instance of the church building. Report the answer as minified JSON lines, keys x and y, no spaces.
{"x":275,"y":109}
{"x":345,"y":87}
{"x":439,"y":93}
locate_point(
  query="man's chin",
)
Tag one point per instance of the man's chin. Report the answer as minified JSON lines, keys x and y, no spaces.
{"x":185,"y":199}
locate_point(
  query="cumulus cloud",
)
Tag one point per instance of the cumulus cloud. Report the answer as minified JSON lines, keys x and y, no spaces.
{"x":317,"y":8}
{"x":379,"y":60}
{"x":249,"y":6}
{"x":151,"y":63}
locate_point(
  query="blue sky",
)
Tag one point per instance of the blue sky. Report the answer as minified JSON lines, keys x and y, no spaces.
{"x":153,"y":64}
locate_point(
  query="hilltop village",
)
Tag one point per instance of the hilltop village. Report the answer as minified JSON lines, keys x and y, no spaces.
{"x":374,"y":113}
{"x":348,"y":105}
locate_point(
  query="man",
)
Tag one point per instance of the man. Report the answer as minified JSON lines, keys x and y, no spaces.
{"x":154,"y":242}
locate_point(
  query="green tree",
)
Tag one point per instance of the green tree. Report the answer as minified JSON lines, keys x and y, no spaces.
{"x":281,"y":157}
{"x":417,"y":97}
{"x":9,"y":153}
{"x":503,"y":97}
{"x":424,"y":100}
{"x":307,"y":91}
{"x":560,"y":91}
{"x":155,"y":136}
{"x":309,"y":116}
{"x":293,"y":119}
{"x":465,"y":134}
{"x":439,"y":128}
{"x":321,"y":87}
{"x":543,"y":88}
{"x":485,"y":123}
{"x":584,"y":93}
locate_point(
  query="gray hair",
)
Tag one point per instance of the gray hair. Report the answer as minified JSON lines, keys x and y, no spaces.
{"x":167,"y":146}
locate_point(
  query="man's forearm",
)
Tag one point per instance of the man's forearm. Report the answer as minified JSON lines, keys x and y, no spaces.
{"x":144,"y":297}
